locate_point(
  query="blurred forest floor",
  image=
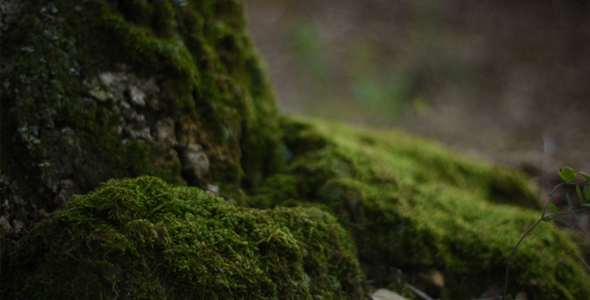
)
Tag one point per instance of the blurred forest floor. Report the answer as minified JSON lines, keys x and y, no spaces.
{"x":508,"y":81}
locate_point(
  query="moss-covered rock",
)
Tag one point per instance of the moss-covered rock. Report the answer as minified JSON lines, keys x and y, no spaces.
{"x":102,"y":89}
{"x":143,"y":239}
{"x":415,"y":206}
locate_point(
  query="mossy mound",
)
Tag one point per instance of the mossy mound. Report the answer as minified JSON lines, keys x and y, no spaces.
{"x":143,"y":239}
{"x":413,"y":205}
{"x":103,"y":89}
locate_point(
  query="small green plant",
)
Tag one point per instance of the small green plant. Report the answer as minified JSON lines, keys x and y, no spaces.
{"x":568,"y":175}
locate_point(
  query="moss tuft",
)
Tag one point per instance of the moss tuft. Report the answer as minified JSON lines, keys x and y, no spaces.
{"x":142,"y":239}
{"x":411,"y":204}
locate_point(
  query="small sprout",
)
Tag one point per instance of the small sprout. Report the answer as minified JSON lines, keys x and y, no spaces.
{"x":564,"y":222}
{"x":576,"y":216}
{"x":568,"y":174}
{"x":553,"y":209}
{"x":579,"y":193}
{"x":569,"y":201}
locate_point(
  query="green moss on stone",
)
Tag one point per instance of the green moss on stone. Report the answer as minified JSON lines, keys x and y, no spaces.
{"x":413,"y":205}
{"x":404,"y":202}
{"x":142,"y":239}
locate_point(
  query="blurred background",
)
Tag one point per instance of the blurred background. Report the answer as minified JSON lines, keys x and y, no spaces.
{"x":508,"y":81}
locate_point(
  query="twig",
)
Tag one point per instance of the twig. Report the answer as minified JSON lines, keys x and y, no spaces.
{"x":584,"y":263}
{"x":533,"y":227}
{"x":418,"y":292}
{"x":514,"y":251}
{"x":549,"y":197}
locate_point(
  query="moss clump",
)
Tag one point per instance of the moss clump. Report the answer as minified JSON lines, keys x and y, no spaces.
{"x":412,"y":205}
{"x":142,"y":239}
{"x":203,"y":76}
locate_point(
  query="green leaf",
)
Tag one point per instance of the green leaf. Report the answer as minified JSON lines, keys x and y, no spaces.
{"x":575,"y":215}
{"x":564,"y":222}
{"x":579,"y":193}
{"x":586,"y":176}
{"x":568,"y":174}
{"x":569,"y":201}
{"x":586,"y":193}
{"x":587,"y":205}
{"x":553,"y":209}
{"x":547,"y":219}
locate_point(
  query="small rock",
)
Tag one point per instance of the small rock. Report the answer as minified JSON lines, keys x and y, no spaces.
{"x":137,"y":96}
{"x":108,"y":78}
{"x":195,"y":163}
{"x":385,"y":294}
{"x":213,"y":189}
{"x":98,"y":94}
{"x":435,"y":277}
{"x":164,"y":133}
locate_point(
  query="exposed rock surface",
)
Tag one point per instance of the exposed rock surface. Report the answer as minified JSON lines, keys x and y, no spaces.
{"x":385,"y":294}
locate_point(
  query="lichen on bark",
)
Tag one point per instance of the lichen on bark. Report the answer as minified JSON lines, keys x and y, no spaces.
{"x":113,"y":89}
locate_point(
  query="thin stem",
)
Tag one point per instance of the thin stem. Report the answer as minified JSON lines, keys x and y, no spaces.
{"x":418,"y":292}
{"x":512,"y":255}
{"x":549,"y":197}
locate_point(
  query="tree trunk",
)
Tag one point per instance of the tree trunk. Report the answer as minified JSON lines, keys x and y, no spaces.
{"x":94,"y":90}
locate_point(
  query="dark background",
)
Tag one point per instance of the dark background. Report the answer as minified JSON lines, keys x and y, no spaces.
{"x":506,"y":81}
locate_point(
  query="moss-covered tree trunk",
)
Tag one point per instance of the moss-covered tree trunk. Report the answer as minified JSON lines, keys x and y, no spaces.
{"x":93,"y":90}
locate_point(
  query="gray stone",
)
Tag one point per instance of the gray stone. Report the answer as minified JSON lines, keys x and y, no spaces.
{"x":385,"y":294}
{"x":212,"y":188}
{"x":137,"y":96}
{"x":194,"y":162}
{"x":164,"y":133}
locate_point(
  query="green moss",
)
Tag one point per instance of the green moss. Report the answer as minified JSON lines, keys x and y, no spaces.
{"x":411,"y":204}
{"x":142,"y":239}
{"x":406,"y":203}
{"x":211,"y":85}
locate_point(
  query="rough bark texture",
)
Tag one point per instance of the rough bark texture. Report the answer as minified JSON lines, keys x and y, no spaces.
{"x":95,"y":90}
{"x":99,"y":90}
